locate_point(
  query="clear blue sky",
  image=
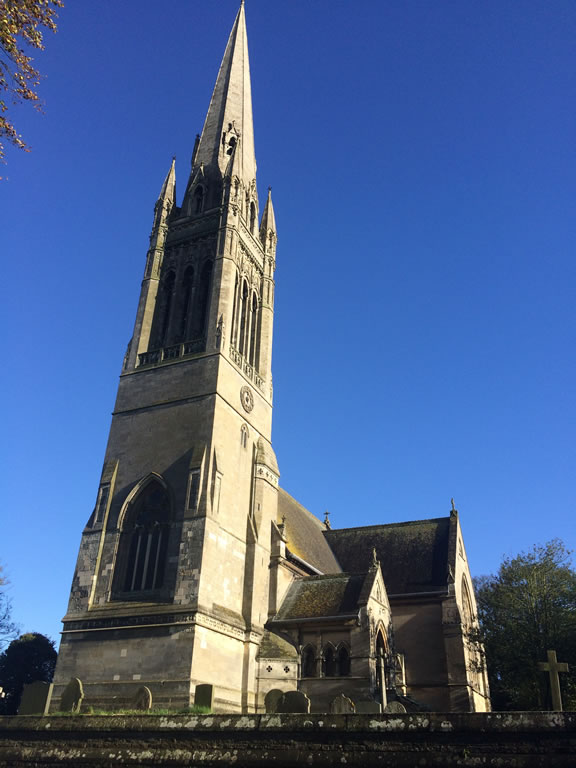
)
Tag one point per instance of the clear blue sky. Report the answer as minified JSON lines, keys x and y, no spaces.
{"x":422,"y":160}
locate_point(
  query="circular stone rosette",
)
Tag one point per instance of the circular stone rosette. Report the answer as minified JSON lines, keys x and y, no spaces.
{"x":247,"y":399}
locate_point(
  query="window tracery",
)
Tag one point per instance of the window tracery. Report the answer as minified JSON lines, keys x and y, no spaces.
{"x":141,"y":559}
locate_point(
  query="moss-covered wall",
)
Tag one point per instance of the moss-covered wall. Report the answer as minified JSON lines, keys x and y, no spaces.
{"x":506,"y":740}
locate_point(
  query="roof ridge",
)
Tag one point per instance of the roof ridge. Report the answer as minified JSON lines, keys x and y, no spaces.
{"x":386,"y":525}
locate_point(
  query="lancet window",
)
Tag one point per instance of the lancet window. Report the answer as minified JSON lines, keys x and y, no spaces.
{"x":186,"y":303}
{"x":380,"y":662}
{"x":141,"y":560}
{"x":202,"y":304}
{"x":198,"y":199}
{"x":329,"y":662}
{"x":343,"y":661}
{"x":336,"y":661}
{"x":246,"y":321}
{"x":308,"y":667}
{"x":166,"y":307}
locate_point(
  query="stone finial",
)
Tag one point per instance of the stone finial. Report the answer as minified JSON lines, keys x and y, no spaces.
{"x":375,"y":561}
{"x":453,"y":511}
{"x":282,"y":526}
{"x":327,"y":520}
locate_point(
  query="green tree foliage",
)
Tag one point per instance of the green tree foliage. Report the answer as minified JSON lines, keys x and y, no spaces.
{"x":8,"y":629}
{"x":526,"y":609}
{"x":21,"y":27}
{"x":29,"y":658}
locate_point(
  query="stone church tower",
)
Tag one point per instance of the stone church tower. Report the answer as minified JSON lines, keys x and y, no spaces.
{"x":195,"y":567}
{"x":171,"y":584}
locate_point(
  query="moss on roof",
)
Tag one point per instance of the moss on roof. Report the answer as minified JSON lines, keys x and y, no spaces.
{"x":318,"y":596}
{"x":413,"y":556}
{"x":304,"y":533}
{"x":274,"y":646}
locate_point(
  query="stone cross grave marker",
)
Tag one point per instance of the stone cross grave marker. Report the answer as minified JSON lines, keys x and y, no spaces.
{"x":204,"y":696}
{"x":72,"y":695}
{"x":294,"y":702}
{"x":342,"y":705}
{"x":35,"y":698}
{"x":553,"y":666}
{"x":142,"y":698}
{"x":271,"y":700}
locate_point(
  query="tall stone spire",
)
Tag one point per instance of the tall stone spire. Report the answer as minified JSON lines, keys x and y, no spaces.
{"x":229,"y":118}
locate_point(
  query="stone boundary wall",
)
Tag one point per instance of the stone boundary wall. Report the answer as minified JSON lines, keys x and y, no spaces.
{"x":505,"y":740}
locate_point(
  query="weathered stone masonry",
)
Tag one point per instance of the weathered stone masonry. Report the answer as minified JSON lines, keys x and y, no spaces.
{"x":431,"y":740}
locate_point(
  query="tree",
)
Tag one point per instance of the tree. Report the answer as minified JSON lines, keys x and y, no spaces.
{"x":29,"y":658}
{"x":526,"y":609}
{"x":21,"y":30}
{"x":8,"y":629}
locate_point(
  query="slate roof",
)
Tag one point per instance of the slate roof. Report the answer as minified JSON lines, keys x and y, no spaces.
{"x":318,"y":596}
{"x":304,"y":533}
{"x":274,"y":646}
{"x":413,"y":556}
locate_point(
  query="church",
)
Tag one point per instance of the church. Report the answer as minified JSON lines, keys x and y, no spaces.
{"x":195,"y":567}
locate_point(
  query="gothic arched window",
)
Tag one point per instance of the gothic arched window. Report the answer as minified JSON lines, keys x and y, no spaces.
{"x":186,"y":302}
{"x":329,"y":665}
{"x":343,"y":660}
{"x":253,"y":357}
{"x":202,"y":301}
{"x":198,"y":199}
{"x":308,"y":662}
{"x":141,"y":560}
{"x":244,"y":301}
{"x":235,"y":314}
{"x":166,"y":308}
{"x":380,"y":662}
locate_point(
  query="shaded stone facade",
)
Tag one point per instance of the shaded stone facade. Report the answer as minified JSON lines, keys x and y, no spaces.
{"x":195,"y":568}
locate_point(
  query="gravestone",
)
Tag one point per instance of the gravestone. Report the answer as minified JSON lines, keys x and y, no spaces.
{"x":368,"y":708}
{"x":342,"y":705}
{"x":294,"y":702}
{"x":204,"y":696}
{"x":72,"y":695}
{"x":36,"y":698}
{"x":142,"y":698}
{"x":271,"y":700}
{"x":394,"y":708}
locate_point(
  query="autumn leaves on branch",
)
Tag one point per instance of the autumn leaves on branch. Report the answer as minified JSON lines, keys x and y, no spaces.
{"x":22,"y":24}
